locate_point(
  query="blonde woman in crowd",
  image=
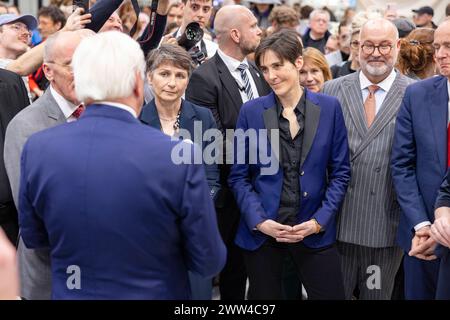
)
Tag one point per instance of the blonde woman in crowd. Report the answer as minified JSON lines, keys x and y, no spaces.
{"x":315,"y":70}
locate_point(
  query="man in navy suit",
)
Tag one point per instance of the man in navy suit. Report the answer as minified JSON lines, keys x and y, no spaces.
{"x":440,"y":230}
{"x":122,"y":221}
{"x":289,"y":204}
{"x":419,"y":163}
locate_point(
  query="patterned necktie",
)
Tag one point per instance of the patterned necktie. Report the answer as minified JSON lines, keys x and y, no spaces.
{"x":370,"y":105}
{"x":78,"y":111}
{"x":248,"y":88}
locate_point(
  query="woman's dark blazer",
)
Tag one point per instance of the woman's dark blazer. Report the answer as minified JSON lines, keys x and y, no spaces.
{"x":189,"y":114}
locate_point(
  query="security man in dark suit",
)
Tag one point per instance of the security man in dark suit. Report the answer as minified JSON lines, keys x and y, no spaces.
{"x":13,"y":98}
{"x":223,"y":84}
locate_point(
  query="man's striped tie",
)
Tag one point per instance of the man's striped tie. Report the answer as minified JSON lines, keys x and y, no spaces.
{"x":248,"y":88}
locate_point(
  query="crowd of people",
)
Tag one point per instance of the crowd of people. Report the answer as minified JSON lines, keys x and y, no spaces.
{"x":271,"y":150}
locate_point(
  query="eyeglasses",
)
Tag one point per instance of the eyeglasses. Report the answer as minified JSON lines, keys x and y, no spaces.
{"x":354,"y":44}
{"x":64,"y":65}
{"x":383,"y":49}
{"x":19,"y":28}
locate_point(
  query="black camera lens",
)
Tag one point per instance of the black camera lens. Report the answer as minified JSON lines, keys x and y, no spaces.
{"x":192,"y":35}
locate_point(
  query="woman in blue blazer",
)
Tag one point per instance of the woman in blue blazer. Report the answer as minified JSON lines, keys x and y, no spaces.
{"x":290,"y":191}
{"x":169,"y":68}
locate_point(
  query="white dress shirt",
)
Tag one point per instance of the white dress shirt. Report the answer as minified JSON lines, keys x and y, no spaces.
{"x":66,"y":107}
{"x":381,"y":93}
{"x":232,"y":66}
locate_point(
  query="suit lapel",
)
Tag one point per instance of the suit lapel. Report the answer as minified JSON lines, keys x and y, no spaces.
{"x":439,"y":116}
{"x":271,"y":123}
{"x":388,"y":110}
{"x":150,"y":115}
{"x":312,"y":118}
{"x":53,"y":110}
{"x":257,"y":78}
{"x":353,"y":100}
{"x":229,"y":83}
{"x":187,"y":118}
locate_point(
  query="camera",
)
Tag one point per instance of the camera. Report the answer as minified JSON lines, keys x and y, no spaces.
{"x":82,"y":4}
{"x":191,"y":36}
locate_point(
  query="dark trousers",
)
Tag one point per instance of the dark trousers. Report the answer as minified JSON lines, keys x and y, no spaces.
{"x":233,"y":277}
{"x":443,"y":286}
{"x":421,"y":278}
{"x":318,"y":269}
{"x":9,"y":221}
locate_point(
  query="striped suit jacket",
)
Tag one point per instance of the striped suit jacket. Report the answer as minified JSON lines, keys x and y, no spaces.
{"x":370,"y":213}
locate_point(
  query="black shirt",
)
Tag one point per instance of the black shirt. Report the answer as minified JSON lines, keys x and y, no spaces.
{"x":290,"y":156}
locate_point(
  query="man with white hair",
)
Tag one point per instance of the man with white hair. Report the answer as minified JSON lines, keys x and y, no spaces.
{"x":57,"y":105}
{"x":317,"y":35}
{"x":121,"y":219}
{"x":367,"y":225}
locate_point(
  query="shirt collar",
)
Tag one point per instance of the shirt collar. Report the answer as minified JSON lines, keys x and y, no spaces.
{"x":301,"y":105}
{"x":66,"y":106}
{"x":231,"y":63}
{"x":448,"y":89}
{"x":120,"y":106}
{"x":385,"y":84}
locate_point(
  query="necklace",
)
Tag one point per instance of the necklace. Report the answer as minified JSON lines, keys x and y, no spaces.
{"x":176,"y":124}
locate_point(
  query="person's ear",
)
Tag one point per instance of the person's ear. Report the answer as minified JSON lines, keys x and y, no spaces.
{"x":398,"y":44}
{"x":235,"y":35}
{"x":150,"y":78}
{"x":299,"y":63}
{"x":139,"y":85}
{"x":48,"y":72}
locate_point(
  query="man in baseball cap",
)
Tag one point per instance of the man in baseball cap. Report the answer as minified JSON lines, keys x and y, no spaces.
{"x":423,"y":17}
{"x":26,"y":19}
{"x":15,"y":33}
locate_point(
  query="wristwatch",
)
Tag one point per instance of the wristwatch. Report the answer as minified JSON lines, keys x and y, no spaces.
{"x":318,"y":226}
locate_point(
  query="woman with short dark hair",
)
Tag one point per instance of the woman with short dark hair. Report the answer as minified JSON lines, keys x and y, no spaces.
{"x":289,"y":204}
{"x":168,"y":70}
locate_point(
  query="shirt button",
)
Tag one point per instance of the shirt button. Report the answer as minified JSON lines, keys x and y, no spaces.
{"x":305,"y":194}
{"x":302,"y":173}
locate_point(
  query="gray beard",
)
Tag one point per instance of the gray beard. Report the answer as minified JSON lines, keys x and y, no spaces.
{"x":375,"y":71}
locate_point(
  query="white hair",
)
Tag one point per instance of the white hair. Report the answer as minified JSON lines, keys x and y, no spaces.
{"x":316,"y":12}
{"x":105,"y":66}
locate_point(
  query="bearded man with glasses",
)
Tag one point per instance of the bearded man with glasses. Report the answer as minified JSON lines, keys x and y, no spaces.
{"x":367,"y":225}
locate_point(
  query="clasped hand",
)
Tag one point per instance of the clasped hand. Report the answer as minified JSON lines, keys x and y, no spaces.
{"x":285,"y":233}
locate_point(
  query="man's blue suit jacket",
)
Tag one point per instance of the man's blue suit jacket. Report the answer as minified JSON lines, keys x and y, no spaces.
{"x":105,"y":196}
{"x":419,"y":153}
{"x":323,"y":175}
